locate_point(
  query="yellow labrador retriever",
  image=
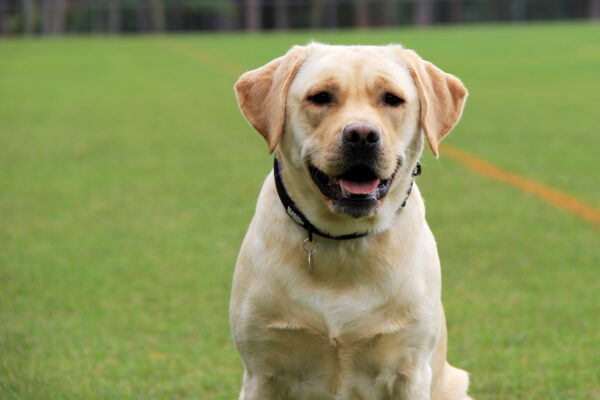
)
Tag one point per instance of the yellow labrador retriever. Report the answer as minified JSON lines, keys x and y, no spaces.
{"x":337,"y":288}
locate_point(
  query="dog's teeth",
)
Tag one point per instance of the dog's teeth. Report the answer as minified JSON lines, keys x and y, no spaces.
{"x":344,"y":191}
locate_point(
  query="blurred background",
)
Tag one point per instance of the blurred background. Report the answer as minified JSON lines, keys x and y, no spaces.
{"x":52,"y":17}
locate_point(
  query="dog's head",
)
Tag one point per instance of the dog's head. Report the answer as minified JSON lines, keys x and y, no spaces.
{"x":347,"y":124}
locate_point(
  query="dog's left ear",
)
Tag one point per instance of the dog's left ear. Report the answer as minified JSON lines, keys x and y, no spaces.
{"x":442,"y":98}
{"x":261,"y":94}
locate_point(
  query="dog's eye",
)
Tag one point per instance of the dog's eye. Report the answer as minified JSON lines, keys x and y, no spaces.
{"x":393,"y":100}
{"x":320,"y":99}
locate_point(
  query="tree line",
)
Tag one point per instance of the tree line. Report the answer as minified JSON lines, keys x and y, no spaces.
{"x":53,"y":17}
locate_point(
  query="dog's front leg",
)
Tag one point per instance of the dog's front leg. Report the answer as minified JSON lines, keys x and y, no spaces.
{"x":414,"y":386}
{"x":263,"y":387}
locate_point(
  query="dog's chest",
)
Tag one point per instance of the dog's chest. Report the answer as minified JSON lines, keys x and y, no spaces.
{"x":349,"y":317}
{"x":326,"y":346}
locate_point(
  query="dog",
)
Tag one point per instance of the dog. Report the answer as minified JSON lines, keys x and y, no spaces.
{"x":337,"y":288}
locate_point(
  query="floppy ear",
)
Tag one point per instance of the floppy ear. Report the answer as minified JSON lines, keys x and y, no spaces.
{"x":261,"y":94}
{"x":442,"y":98}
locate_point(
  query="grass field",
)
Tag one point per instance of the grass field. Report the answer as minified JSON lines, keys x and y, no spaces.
{"x":128,"y":178}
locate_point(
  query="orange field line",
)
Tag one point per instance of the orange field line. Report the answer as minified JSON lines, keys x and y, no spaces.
{"x":206,"y":58}
{"x":552,"y":196}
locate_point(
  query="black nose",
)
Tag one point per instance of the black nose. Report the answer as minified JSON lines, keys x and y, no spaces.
{"x":361,"y":136}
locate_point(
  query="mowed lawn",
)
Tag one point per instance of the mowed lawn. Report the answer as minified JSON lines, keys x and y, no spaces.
{"x":128,"y":178}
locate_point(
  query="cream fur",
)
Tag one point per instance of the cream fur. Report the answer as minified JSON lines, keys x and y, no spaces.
{"x":368,"y":323}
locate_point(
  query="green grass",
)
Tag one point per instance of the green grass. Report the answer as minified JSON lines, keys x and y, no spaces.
{"x":128,"y":178}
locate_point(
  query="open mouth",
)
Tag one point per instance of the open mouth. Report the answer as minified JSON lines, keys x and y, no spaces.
{"x":359,"y":183}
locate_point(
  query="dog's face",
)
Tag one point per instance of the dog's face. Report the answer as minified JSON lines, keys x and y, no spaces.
{"x":353,"y":114}
{"x":347,"y":123}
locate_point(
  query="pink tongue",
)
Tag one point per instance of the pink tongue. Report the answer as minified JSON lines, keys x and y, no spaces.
{"x":359,"y":187}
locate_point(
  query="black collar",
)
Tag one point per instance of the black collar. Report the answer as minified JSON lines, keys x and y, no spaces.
{"x":298,"y":217}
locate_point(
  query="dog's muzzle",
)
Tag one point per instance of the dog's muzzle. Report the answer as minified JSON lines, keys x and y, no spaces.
{"x":357,"y":192}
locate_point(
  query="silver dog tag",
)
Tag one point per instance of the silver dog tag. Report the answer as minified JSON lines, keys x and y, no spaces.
{"x":310,"y":247}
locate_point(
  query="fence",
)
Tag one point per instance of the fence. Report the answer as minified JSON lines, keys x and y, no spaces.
{"x":49,"y":17}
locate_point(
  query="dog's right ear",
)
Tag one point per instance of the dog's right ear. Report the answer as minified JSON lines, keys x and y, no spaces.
{"x":261,"y":94}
